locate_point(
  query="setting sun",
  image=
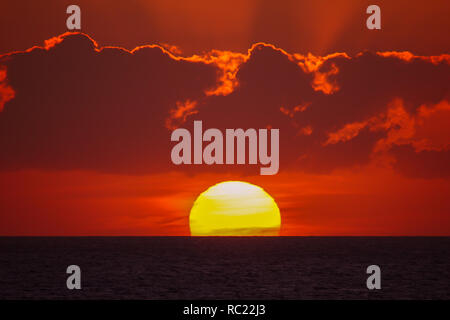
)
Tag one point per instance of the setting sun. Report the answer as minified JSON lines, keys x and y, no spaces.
{"x":235,"y":208}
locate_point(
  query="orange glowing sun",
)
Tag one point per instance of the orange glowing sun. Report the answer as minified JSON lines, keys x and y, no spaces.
{"x":234,"y":208}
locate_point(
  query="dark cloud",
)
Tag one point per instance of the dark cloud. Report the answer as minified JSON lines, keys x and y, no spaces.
{"x":363,"y":89}
{"x":77,"y":106}
{"x":423,"y":164}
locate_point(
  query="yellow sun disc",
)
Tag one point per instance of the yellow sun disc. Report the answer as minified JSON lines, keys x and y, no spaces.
{"x":234,"y":208}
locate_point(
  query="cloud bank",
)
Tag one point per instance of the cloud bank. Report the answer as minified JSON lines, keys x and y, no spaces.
{"x":72,"y":104}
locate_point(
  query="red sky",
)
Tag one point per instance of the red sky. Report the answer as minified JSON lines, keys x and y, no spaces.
{"x":363,"y":115}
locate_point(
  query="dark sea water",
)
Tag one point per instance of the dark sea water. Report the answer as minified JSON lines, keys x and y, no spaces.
{"x":225,"y":268}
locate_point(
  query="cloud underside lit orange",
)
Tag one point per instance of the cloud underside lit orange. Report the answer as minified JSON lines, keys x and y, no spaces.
{"x":85,"y":137}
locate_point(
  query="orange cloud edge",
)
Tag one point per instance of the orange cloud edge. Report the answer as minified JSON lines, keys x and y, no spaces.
{"x":227,"y":62}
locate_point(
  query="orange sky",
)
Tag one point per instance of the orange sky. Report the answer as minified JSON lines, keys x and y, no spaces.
{"x":361,"y":202}
{"x":85,"y":130}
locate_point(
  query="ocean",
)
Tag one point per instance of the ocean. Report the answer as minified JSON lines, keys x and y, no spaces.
{"x":225,"y":267}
